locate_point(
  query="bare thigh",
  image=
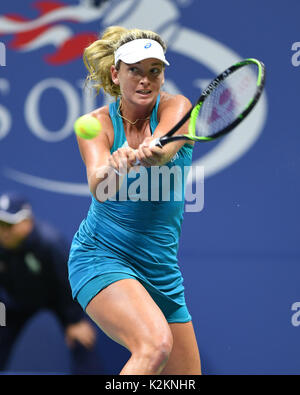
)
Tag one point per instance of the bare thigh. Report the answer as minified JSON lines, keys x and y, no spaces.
{"x":127,"y":314}
{"x":184,"y":358}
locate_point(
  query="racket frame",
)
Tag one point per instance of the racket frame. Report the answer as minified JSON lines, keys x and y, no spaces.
{"x":192,"y":114}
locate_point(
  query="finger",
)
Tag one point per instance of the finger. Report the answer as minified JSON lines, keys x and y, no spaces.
{"x":132,"y":157}
{"x":148,"y":155}
{"x":118,"y":160}
{"x":156,"y":150}
{"x":112,"y":161}
{"x":141,"y":158}
{"x":146,"y":142}
{"x":127,"y":158}
{"x":123,"y":164}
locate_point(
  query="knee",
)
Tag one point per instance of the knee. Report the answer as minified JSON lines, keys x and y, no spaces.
{"x":156,"y":351}
{"x":161,"y":350}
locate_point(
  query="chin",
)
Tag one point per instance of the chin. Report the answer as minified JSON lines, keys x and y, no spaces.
{"x":147,"y":99}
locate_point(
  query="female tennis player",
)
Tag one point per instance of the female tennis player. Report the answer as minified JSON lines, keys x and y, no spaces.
{"x":123,"y":265}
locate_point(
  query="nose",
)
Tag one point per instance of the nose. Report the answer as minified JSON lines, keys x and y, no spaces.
{"x":145,"y":80}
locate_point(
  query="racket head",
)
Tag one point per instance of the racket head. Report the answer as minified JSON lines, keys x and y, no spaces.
{"x":227,"y":100}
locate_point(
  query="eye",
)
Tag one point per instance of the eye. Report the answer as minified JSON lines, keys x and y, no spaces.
{"x":133,"y":70}
{"x":155,"y":71}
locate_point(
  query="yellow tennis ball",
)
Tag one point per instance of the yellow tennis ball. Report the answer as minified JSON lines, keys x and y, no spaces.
{"x":87,"y":127}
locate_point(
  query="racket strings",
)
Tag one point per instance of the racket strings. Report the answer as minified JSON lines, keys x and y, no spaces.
{"x":227,"y":101}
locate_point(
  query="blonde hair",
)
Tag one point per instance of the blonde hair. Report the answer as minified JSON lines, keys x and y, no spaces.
{"x":99,"y":56}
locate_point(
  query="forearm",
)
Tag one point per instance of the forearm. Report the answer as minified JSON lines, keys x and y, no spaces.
{"x":157,"y":156}
{"x":104,"y":182}
{"x":168,"y":152}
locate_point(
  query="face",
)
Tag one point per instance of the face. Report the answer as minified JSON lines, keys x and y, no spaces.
{"x":12,"y":235}
{"x":141,"y":82}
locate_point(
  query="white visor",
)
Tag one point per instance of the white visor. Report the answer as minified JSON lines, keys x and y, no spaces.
{"x":140,"y":49}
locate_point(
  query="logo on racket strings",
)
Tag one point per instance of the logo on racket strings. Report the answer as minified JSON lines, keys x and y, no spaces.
{"x":211,"y":87}
{"x":214,"y":84}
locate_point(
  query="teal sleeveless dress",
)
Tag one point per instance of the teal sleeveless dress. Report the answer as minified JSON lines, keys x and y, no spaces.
{"x":134,"y":237}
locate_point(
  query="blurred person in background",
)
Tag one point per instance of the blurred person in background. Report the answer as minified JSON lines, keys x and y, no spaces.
{"x":33,"y":277}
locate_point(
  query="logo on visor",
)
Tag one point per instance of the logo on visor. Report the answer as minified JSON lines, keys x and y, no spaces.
{"x":148,"y":45}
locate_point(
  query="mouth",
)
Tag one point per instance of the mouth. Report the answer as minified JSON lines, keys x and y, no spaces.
{"x":144,"y":92}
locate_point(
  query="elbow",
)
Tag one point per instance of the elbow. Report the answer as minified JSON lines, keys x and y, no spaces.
{"x":98,"y":193}
{"x":103,"y":184}
{"x":104,"y":190}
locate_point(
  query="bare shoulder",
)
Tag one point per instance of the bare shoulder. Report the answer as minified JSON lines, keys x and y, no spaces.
{"x":95,"y":151}
{"x":174,"y":102}
{"x":172,"y":108}
{"x":102,"y":113}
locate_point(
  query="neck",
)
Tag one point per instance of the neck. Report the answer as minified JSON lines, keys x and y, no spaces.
{"x":135,"y":115}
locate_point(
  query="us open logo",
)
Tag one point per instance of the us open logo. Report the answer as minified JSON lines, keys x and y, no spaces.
{"x":148,"y":45}
{"x":50,"y":27}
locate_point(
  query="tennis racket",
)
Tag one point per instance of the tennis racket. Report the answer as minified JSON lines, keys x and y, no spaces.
{"x":225,"y":103}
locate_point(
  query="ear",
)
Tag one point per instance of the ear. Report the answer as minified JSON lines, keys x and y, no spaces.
{"x":114,"y":75}
{"x":163,"y":79}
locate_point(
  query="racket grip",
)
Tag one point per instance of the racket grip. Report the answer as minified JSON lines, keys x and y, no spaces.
{"x":155,"y":142}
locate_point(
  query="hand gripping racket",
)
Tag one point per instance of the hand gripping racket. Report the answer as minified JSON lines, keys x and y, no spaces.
{"x":227,"y":100}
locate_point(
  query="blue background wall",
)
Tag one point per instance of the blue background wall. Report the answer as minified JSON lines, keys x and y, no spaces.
{"x":240,"y":254}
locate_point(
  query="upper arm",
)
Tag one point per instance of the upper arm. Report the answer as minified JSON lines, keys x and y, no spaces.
{"x":171,"y":110}
{"x":95,"y":152}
